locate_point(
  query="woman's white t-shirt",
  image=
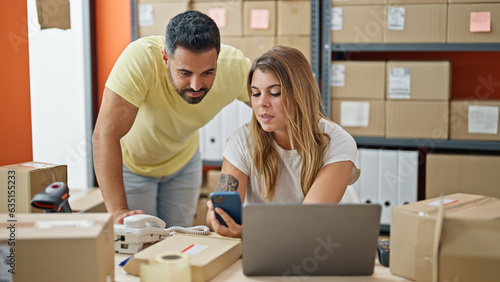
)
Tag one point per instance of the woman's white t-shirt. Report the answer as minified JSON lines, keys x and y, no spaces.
{"x":238,"y":152}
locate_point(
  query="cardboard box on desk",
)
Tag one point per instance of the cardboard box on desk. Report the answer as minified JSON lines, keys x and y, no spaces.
{"x":86,"y":200}
{"x":217,"y":253}
{"x":24,"y":180}
{"x":60,"y":246}
{"x":468,"y":248}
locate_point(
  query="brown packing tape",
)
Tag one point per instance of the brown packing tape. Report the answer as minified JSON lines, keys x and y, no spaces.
{"x":427,"y":253}
{"x":53,"y":14}
{"x":437,"y":238}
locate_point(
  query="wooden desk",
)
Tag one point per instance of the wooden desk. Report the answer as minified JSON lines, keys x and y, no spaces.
{"x":234,"y":273}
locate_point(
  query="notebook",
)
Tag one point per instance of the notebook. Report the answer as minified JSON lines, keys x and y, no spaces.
{"x":305,"y":240}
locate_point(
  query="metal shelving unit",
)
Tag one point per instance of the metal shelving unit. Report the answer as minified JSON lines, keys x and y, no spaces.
{"x":328,"y":47}
{"x":414,"y":47}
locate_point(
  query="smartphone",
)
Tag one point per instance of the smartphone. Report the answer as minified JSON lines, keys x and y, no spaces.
{"x":230,"y":202}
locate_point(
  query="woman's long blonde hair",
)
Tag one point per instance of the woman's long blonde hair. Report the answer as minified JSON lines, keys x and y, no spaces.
{"x":301,"y":100}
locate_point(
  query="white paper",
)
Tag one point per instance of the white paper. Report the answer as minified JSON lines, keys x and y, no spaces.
{"x":35,"y":165}
{"x":337,"y":78}
{"x":396,"y":18}
{"x":195,"y":249}
{"x":399,"y":83}
{"x":483,"y":119}
{"x":337,"y":19}
{"x":437,"y":203}
{"x":354,"y":114}
{"x":146,"y":17}
{"x":46,"y":224}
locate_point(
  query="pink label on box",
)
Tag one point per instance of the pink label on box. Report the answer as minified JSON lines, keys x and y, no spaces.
{"x":259,"y":19}
{"x":480,"y":21}
{"x":218,"y":15}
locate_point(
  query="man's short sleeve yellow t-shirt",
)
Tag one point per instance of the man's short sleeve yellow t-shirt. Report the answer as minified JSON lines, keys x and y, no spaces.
{"x":164,"y":136}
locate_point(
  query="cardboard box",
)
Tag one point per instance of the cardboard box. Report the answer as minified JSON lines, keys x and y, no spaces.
{"x":153,"y":16}
{"x":303,"y":43}
{"x":358,"y":79}
{"x":398,"y":2}
{"x":461,"y":173}
{"x":462,"y":28}
{"x":220,"y":253}
{"x":475,"y":120}
{"x":472,"y":1}
{"x":417,"y":119}
{"x":60,"y":246}
{"x":416,"y":23}
{"x":227,"y":15}
{"x":468,"y":248}
{"x":293,"y":18}
{"x":254,"y":46}
{"x":86,"y":200}
{"x":235,"y":41}
{"x":358,"y":24}
{"x":259,"y":18}
{"x":360,"y":117}
{"x":418,"y":80}
{"x":200,"y":218}
{"x":358,"y":2}
{"x":23,"y":181}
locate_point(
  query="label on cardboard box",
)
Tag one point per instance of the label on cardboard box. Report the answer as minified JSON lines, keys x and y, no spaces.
{"x":445,"y":202}
{"x":35,"y":165}
{"x":354,"y":114}
{"x":338,"y":75}
{"x":146,"y":17}
{"x":194,"y":249}
{"x":480,"y":22}
{"x":337,"y":18}
{"x":483,"y":119}
{"x":46,"y":224}
{"x":396,"y":18}
{"x":399,"y":83}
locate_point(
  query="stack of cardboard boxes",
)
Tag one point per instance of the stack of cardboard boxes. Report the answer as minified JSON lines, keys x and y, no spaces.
{"x":411,"y":99}
{"x":415,"y":21}
{"x":393,"y":99}
{"x":253,"y":26}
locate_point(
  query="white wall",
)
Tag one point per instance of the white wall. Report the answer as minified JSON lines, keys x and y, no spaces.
{"x":61,"y":93}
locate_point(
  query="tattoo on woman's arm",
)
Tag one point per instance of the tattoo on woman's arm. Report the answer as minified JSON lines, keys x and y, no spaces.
{"x":227,"y":182}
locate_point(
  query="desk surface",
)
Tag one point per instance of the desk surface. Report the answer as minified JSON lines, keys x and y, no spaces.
{"x":234,"y":273}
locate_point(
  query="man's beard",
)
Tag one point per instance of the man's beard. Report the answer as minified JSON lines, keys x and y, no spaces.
{"x":183,"y":94}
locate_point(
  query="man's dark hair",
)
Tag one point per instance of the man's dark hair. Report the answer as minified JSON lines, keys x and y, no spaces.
{"x":193,"y":31}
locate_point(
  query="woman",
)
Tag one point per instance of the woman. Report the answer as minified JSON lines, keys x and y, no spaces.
{"x":289,"y":152}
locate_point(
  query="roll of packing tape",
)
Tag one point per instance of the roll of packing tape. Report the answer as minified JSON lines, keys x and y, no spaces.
{"x":166,"y":267}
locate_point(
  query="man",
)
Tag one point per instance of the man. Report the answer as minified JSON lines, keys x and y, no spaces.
{"x":159,"y":93}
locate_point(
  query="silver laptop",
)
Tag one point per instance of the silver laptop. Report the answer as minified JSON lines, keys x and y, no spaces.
{"x":305,"y":240}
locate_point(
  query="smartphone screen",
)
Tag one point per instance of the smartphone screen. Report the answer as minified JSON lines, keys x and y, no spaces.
{"x":230,"y":202}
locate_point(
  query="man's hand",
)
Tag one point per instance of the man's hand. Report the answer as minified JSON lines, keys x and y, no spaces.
{"x":122,"y":213}
{"x":232,"y":229}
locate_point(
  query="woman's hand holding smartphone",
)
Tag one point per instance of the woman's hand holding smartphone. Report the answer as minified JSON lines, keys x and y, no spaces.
{"x":226,"y":218}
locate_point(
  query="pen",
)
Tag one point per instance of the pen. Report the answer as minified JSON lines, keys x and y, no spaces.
{"x":124,"y":261}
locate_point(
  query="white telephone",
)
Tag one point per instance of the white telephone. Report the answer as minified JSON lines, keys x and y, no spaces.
{"x":141,"y":228}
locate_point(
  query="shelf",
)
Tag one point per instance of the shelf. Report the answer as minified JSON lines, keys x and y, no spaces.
{"x":415,"y":47}
{"x":429,"y":143}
